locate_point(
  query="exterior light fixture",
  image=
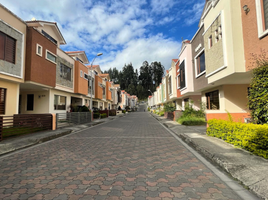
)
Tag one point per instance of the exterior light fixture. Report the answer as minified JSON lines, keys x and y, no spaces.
{"x":246,"y":9}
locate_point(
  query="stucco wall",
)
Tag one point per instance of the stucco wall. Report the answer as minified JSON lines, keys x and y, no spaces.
{"x":186,"y":56}
{"x":41,"y":102}
{"x":214,"y":55}
{"x":12,"y":97}
{"x":197,"y":48}
{"x":232,"y":37}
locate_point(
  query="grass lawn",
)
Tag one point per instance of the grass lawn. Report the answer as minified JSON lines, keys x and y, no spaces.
{"x":15,"y":131}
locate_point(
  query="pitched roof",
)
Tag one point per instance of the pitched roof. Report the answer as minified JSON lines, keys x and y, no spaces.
{"x":174,"y":60}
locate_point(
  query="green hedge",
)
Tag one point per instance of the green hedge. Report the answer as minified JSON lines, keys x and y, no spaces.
{"x":251,"y":137}
{"x":191,"y":121}
{"x":96,"y":115}
{"x":161,"y":113}
{"x":103,"y":115}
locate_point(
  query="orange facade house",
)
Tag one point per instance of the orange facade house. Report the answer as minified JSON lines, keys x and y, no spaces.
{"x":81,"y":82}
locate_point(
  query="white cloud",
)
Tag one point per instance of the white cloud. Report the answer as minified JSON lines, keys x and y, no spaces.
{"x":156,"y":48}
{"x":123,"y":30}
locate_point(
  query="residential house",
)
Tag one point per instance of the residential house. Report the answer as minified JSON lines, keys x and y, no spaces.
{"x":225,"y":60}
{"x":12,"y":60}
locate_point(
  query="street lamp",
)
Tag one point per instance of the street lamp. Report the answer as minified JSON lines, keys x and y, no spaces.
{"x":150,"y":91}
{"x":91,"y":80}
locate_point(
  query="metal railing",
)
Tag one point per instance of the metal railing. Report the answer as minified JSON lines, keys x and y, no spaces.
{"x":72,"y":118}
{"x":23,"y":124}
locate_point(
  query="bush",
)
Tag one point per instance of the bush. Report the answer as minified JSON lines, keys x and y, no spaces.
{"x":124,"y":111}
{"x":103,"y":115}
{"x":112,"y":112}
{"x":190,"y":121}
{"x":169,"y":107}
{"x":162,"y":113}
{"x":258,"y":95}
{"x":148,"y":109}
{"x":251,"y":137}
{"x":96,"y":115}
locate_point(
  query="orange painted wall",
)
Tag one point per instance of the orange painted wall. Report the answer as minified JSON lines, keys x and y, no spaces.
{"x":178,"y":90}
{"x":80,"y":83}
{"x":108,"y":92}
{"x":98,"y":88}
{"x":237,"y":117}
{"x":252,"y":43}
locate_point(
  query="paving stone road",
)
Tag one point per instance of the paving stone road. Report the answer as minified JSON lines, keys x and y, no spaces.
{"x":133,"y":157}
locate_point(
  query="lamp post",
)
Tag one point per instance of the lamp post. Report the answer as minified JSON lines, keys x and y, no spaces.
{"x":91,"y":80}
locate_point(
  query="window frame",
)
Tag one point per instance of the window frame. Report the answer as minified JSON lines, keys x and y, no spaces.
{"x":196,"y":64}
{"x":183,"y":72}
{"x":47,"y":51}
{"x":3,"y":95}
{"x":29,"y":108}
{"x":5,"y":37}
{"x":208,"y":100}
{"x":56,"y":106}
{"x":262,"y":31}
{"x":65,"y":66}
{"x":37,"y":46}
{"x":210,"y":44}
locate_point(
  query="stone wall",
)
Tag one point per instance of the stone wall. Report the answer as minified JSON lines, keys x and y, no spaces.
{"x":59,"y":79}
{"x":7,"y":67}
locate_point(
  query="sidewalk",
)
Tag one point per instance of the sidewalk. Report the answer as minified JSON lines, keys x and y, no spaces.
{"x":20,"y":142}
{"x":249,"y":169}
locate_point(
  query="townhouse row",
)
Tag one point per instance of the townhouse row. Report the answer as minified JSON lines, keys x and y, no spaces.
{"x":214,"y":68}
{"x":37,"y":76}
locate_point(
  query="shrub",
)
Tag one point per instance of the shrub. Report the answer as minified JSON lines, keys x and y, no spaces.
{"x":162,"y":113}
{"x":258,"y":95}
{"x":251,"y":137}
{"x":96,"y":115}
{"x":103,"y":115}
{"x":190,"y":121}
{"x":169,"y":107}
{"x":124,"y":111}
{"x":148,"y":109}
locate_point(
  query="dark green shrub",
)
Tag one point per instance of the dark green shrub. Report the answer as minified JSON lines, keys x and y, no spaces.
{"x":124,"y":111}
{"x":103,"y":115}
{"x":112,"y":112}
{"x":96,"y":115}
{"x":148,"y":109}
{"x":251,"y":137}
{"x":169,"y":107}
{"x":258,"y":95}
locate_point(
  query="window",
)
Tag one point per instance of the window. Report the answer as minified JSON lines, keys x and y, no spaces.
{"x":50,"y":56}
{"x":30,"y":102}
{"x":200,"y":63}
{"x":49,"y":37}
{"x":213,"y":102}
{"x":178,"y":81}
{"x":169,"y":85}
{"x":65,"y":72}
{"x":59,"y":102}
{"x":210,"y":41}
{"x":81,"y":73}
{"x":2,"y":100}
{"x":7,"y":48}
{"x":182,"y":75}
{"x":262,"y":17}
{"x":39,"y":50}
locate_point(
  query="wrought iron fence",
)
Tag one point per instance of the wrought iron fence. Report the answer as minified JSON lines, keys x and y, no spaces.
{"x":72,"y":118}
{"x":23,"y":124}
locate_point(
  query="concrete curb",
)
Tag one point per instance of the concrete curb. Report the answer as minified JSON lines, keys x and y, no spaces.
{"x":241,"y":165}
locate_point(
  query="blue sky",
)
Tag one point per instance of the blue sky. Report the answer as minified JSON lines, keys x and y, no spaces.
{"x":123,"y":30}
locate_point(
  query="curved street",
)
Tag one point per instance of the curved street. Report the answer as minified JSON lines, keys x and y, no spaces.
{"x":132,"y":157}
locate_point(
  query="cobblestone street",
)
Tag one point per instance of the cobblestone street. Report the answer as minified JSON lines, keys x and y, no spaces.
{"x":132,"y":157}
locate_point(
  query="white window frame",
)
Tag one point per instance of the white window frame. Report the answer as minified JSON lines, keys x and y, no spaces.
{"x":195,"y":63}
{"x":259,"y":12}
{"x":178,"y":87}
{"x":81,"y":73}
{"x":47,"y":51}
{"x":37,"y":46}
